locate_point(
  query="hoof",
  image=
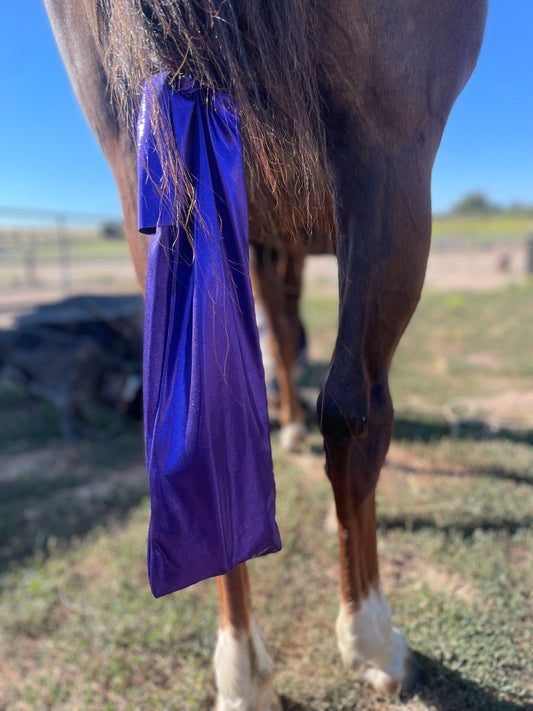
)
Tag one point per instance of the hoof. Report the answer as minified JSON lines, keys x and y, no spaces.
{"x":274,"y":704}
{"x":381,"y":682}
{"x":390,"y":679}
{"x":292,"y":437}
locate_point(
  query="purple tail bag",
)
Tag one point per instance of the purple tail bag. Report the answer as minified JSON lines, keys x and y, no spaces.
{"x":206,"y":423}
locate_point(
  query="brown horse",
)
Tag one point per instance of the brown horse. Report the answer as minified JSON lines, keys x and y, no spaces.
{"x":276,"y":273}
{"x":343,"y":104}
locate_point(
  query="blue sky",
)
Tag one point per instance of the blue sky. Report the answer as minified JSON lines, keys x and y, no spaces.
{"x":49,"y":158}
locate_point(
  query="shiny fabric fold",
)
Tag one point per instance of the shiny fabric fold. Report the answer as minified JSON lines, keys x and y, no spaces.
{"x":206,"y":423}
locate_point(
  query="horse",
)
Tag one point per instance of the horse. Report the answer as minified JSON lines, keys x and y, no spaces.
{"x":277,"y":277}
{"x":342,"y":105}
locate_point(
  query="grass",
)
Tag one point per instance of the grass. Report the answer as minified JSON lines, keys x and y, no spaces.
{"x":464,"y":343}
{"x":80,"y":629}
{"x":483,"y":230}
{"x":88,"y":243}
{"x":53,"y":489}
{"x":46,"y":244}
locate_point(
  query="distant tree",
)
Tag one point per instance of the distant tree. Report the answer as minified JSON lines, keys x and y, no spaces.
{"x":475,"y":204}
{"x":113,"y":230}
{"x":519,"y":208}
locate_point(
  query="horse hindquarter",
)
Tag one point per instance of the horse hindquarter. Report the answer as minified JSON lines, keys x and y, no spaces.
{"x":409,"y":62}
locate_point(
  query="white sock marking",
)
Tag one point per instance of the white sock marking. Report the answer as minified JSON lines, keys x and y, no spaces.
{"x":243,"y":671}
{"x":369,"y":643}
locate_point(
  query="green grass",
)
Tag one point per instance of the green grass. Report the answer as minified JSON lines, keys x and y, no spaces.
{"x":493,"y":229}
{"x":80,"y":629}
{"x":52,"y":489}
{"x":44,"y":244}
{"x":77,"y":250}
{"x":460,"y":344}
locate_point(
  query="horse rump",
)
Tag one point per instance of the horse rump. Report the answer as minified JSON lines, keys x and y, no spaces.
{"x":264,"y":56}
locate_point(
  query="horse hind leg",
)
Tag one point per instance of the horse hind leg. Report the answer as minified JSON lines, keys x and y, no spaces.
{"x":277,"y":277}
{"x":367,"y":641}
{"x":243,"y":667}
{"x":382,"y":253}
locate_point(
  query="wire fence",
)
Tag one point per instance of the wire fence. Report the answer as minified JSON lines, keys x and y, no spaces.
{"x":47,"y":255}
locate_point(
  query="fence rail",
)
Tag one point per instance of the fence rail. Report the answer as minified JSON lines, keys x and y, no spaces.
{"x":46,"y":255}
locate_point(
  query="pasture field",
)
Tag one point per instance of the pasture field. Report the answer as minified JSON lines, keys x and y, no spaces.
{"x":89,"y":243}
{"x":44,"y":264}
{"x":80,"y":630}
{"x":46,"y":243}
{"x":505,"y":228}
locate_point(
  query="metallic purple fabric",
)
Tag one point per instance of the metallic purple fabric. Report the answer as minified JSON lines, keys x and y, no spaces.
{"x":206,"y":425}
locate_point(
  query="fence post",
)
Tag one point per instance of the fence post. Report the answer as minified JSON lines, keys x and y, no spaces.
{"x":529,"y":248}
{"x":28,"y":255}
{"x":64,"y":255}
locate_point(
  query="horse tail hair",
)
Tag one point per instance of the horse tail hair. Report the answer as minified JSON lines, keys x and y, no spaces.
{"x":261,"y":53}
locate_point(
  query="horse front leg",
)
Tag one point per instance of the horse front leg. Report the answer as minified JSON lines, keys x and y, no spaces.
{"x":243,"y":667}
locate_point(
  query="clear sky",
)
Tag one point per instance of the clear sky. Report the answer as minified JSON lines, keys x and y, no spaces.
{"x":49,"y":158}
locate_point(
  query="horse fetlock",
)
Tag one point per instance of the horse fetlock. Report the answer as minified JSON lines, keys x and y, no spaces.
{"x":370,"y":645}
{"x":292,"y":436}
{"x":244,"y":671}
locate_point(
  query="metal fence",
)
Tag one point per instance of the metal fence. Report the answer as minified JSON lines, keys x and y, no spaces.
{"x":47,"y":255}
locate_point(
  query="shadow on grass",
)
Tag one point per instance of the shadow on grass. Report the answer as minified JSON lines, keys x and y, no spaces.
{"x":465,"y":530}
{"x":53,"y":490}
{"x":414,"y":430}
{"x":486,"y":471}
{"x":446,"y":690}
{"x":433,"y":683}
{"x":411,"y":429}
{"x":431,"y":432}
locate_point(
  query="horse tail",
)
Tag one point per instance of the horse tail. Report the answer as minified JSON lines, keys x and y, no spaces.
{"x":261,"y":53}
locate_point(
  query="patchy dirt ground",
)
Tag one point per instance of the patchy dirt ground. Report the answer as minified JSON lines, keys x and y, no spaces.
{"x":448,"y":269}
{"x":73,"y":486}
